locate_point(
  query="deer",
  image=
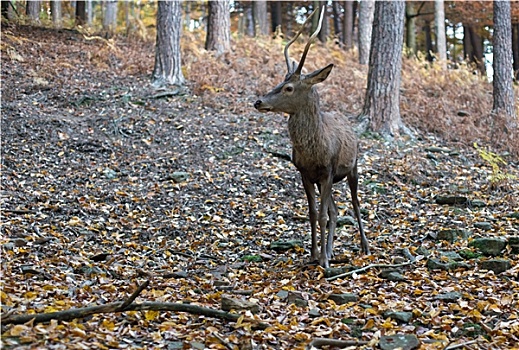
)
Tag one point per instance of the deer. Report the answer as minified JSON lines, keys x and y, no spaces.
{"x":324,"y":146}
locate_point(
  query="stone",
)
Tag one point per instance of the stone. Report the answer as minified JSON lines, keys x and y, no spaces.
{"x":399,"y":341}
{"x":345,"y":220}
{"x":178,"y":176}
{"x":435,"y":149}
{"x":491,"y":246}
{"x":282,"y":294}
{"x":228,"y":304}
{"x":449,"y":297}
{"x":403,"y":316}
{"x":452,"y":256}
{"x":281,"y":246}
{"x":344,"y":298}
{"x":450,"y":200}
{"x":437,"y":264}
{"x":496,"y":265}
{"x":477,"y":203}
{"x":334,"y":271}
{"x":452,"y":235}
{"x":314,"y":313}
{"x":297,"y":298}
{"x":483,"y":225}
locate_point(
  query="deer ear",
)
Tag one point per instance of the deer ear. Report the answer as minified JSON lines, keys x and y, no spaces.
{"x":319,"y":75}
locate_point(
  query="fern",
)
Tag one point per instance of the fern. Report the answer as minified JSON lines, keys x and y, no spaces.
{"x":498,"y":177}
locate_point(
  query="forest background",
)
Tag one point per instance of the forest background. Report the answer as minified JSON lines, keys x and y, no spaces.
{"x":108,"y":181}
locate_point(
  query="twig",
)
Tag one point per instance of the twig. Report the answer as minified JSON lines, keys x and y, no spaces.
{"x":68,"y":315}
{"x":319,"y":342}
{"x":225,"y":343}
{"x":134,"y":295}
{"x":460,"y":345}
{"x":370,"y":266}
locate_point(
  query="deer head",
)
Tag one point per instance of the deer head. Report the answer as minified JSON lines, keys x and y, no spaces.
{"x":295,"y":89}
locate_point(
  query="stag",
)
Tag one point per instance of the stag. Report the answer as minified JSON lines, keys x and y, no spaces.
{"x":324,"y":146}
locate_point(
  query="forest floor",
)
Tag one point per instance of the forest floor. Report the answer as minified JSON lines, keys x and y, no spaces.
{"x":105,"y":186}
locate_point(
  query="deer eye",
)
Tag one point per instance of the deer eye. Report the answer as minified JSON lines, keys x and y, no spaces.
{"x":289,"y":88}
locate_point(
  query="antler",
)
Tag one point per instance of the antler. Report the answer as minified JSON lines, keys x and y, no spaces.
{"x":287,"y":58}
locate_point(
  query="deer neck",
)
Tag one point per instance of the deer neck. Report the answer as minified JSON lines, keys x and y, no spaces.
{"x":305,"y":125}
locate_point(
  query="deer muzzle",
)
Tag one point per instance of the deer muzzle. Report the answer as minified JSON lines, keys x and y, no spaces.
{"x":260,"y":106}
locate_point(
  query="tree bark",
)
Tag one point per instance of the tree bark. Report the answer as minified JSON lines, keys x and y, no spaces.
{"x":275,"y":14}
{"x":323,"y":34}
{"x":219,"y":27}
{"x":168,"y":69}
{"x":410,"y":32}
{"x":81,"y":16}
{"x":33,"y":9}
{"x":55,"y":10}
{"x":110,"y":17}
{"x":347,"y":29}
{"x":90,"y":12}
{"x":259,"y":12}
{"x":428,"y":41}
{"x":504,"y":102}
{"x":337,"y":20}
{"x":382,"y":102}
{"x":441,"y":40}
{"x":366,"y":12}
{"x":476,"y":44}
{"x":5,"y":8}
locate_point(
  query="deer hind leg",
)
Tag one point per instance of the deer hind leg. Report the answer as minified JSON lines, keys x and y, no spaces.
{"x":310,"y":195}
{"x":353,"y":180}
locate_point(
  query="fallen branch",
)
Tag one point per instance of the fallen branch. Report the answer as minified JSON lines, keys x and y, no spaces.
{"x":370,"y":266}
{"x":460,"y":345}
{"x":134,"y":296}
{"x":68,"y":315}
{"x":320,"y":342}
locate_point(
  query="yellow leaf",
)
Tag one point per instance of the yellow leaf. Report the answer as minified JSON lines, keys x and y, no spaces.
{"x":370,"y":324}
{"x":151,"y":315}
{"x":109,"y":325}
{"x":17,"y":330}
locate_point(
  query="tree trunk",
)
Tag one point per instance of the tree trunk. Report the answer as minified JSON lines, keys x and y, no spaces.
{"x":476,"y":44}
{"x":347,"y":29}
{"x":90,"y":12}
{"x":275,"y":13}
{"x":33,"y":9}
{"x":81,"y":16}
{"x":467,"y":47}
{"x":366,"y":12}
{"x":337,"y":20}
{"x":219,"y":27}
{"x":249,"y":20}
{"x":441,"y":40}
{"x":504,"y":102}
{"x":55,"y":10}
{"x":289,"y":19}
{"x":515,"y":49}
{"x":168,"y":69}
{"x":410,"y":32}
{"x":110,"y":17}
{"x":428,"y":41}
{"x":5,"y":9}
{"x":259,"y":12}
{"x":382,"y":102}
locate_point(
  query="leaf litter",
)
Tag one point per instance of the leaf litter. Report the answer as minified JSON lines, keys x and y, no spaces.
{"x":91,"y":209}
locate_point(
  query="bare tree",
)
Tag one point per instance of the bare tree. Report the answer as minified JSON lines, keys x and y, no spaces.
{"x":259,"y":12}
{"x":55,"y":9}
{"x":219,"y":27}
{"x":504,"y":102}
{"x":33,"y":9}
{"x":168,"y":69}
{"x":347,"y":29}
{"x":81,"y":16}
{"x":366,"y":12}
{"x":441,"y":40}
{"x":110,"y":17}
{"x":381,"y":112}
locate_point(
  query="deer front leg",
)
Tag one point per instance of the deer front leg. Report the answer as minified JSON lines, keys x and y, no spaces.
{"x":332,"y":225}
{"x":326,"y":196}
{"x":310,"y":195}
{"x":353,"y":180}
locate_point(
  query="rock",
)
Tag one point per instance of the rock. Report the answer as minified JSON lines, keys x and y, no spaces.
{"x":377,"y":188}
{"x":345,"y":220}
{"x":178,"y":176}
{"x":449,"y":297}
{"x":476,"y":203}
{"x":491,"y":246}
{"x":282,"y":294}
{"x":513,"y":241}
{"x":399,"y":341}
{"x":514,"y":215}
{"x":442,"y":200}
{"x":452,"y":256}
{"x":483,"y":225}
{"x":421,"y":250}
{"x":403,"y":316}
{"x":314,"y":313}
{"x":297,"y":298}
{"x":281,"y":246}
{"x":228,"y":304}
{"x":452,"y":235}
{"x":435,"y":149}
{"x":496,"y":265}
{"x":437,"y":264}
{"x":344,"y":298}
{"x":334,"y":271}
{"x":392,"y":275}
